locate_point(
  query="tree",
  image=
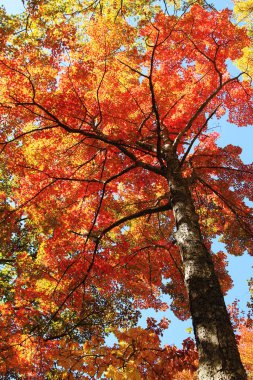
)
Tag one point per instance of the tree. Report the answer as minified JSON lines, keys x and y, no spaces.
{"x":105,"y":112}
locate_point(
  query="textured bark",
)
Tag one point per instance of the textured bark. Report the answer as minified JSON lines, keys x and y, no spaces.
{"x":218,"y":353}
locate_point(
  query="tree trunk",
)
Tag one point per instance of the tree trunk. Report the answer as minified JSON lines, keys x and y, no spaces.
{"x":218,"y":354}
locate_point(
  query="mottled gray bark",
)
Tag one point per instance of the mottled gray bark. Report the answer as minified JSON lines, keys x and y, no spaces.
{"x":218,"y":354}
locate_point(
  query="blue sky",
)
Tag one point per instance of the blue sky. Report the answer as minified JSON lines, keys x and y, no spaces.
{"x":12,"y":6}
{"x":240,"y":268}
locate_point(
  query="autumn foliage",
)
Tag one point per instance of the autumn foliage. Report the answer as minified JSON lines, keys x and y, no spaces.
{"x":92,"y":95}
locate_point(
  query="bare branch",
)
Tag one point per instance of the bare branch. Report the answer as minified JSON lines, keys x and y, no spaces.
{"x":197,"y":135}
{"x":138,"y":214}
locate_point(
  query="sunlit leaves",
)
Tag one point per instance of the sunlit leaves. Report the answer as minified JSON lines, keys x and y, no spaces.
{"x":243,"y":11}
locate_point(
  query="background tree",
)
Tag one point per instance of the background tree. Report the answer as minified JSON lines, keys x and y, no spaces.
{"x":243,"y":12}
{"x":106,"y":111}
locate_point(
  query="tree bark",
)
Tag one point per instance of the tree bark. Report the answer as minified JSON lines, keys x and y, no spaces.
{"x":218,"y":353}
